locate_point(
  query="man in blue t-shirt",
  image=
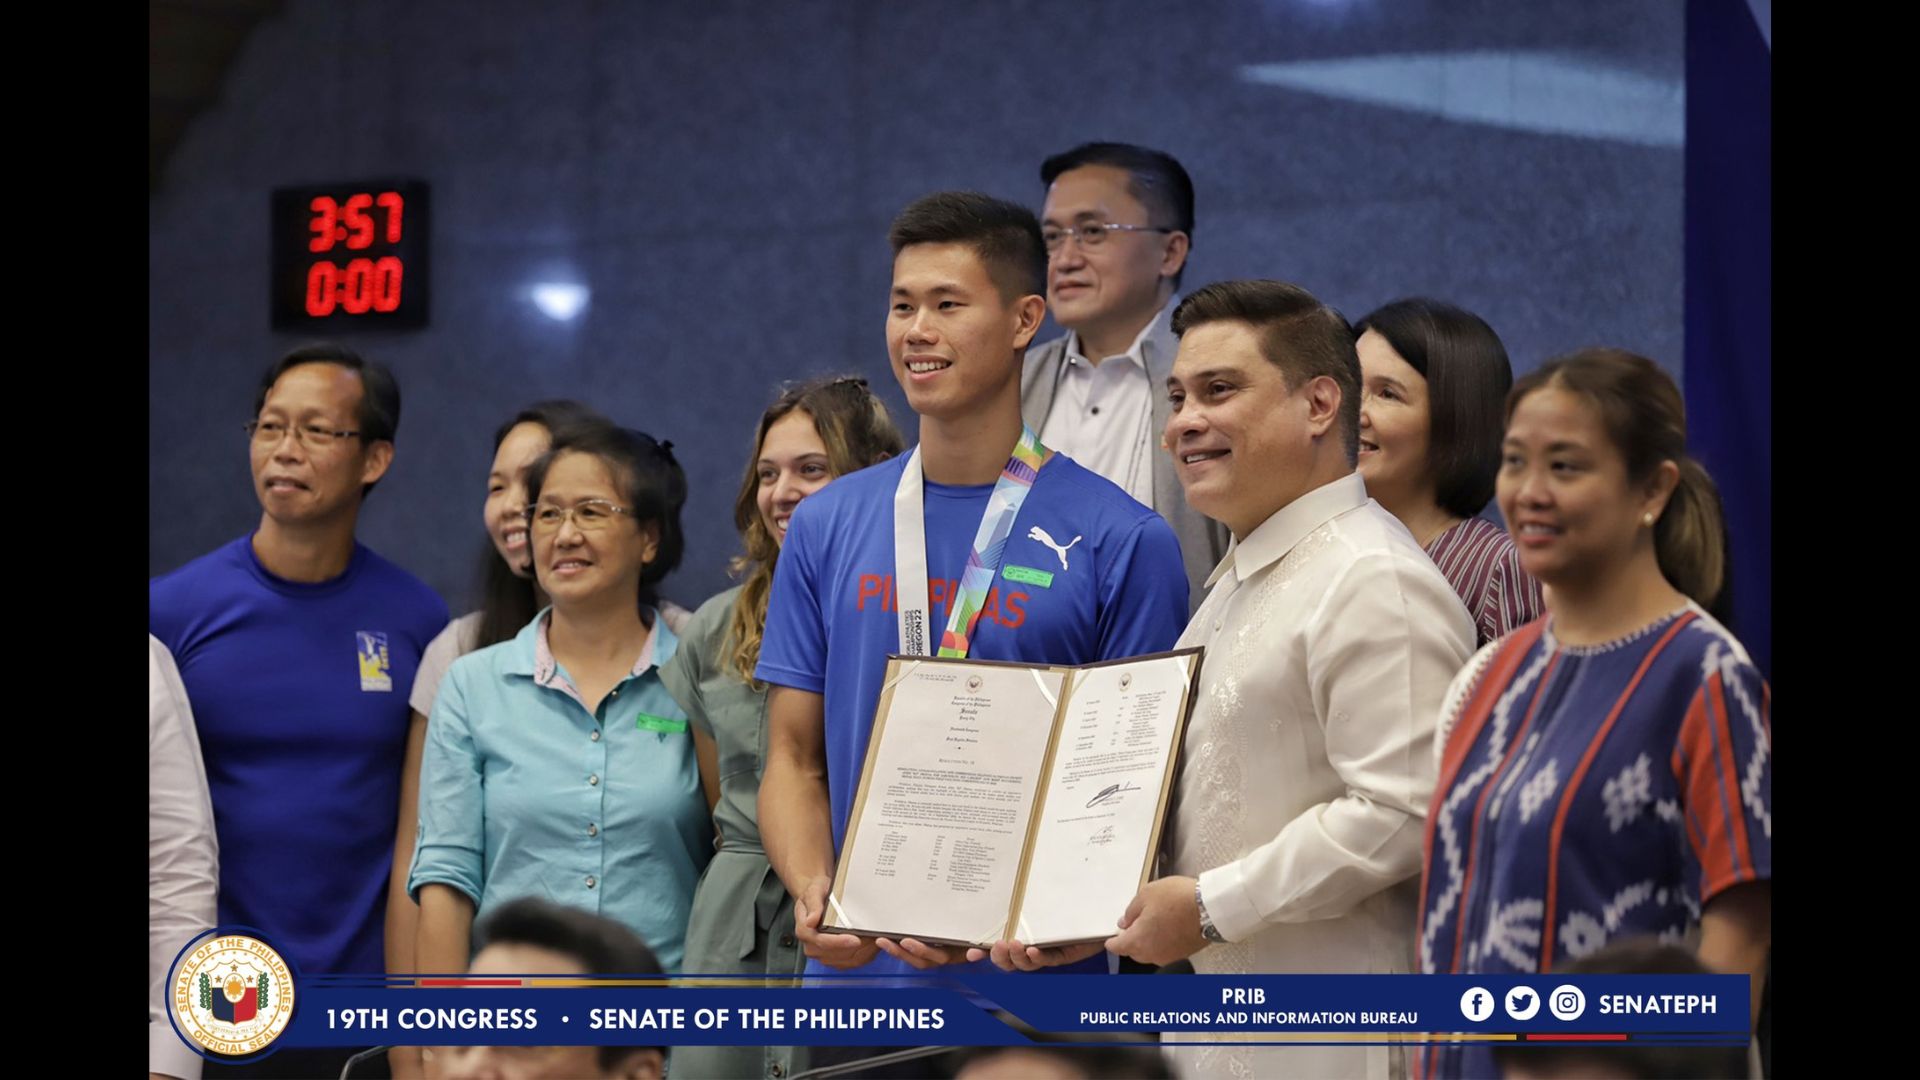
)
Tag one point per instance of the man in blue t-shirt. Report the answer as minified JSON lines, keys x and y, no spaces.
{"x":1086,"y":573}
{"x":296,"y":646}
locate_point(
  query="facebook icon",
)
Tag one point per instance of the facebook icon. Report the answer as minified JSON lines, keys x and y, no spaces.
{"x":1476,"y":1004}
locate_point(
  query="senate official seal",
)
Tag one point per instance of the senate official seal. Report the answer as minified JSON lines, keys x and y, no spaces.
{"x":231,"y":995}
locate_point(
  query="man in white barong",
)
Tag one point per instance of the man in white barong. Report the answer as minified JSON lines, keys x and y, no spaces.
{"x":1296,"y":831}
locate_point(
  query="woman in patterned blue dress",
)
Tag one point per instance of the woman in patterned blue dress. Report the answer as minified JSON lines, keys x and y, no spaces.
{"x":1607,"y":770}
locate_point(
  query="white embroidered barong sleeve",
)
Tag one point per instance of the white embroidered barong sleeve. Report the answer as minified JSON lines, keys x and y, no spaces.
{"x":1381,"y":647}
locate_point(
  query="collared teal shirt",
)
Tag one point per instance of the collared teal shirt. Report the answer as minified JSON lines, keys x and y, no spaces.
{"x":525,"y":792}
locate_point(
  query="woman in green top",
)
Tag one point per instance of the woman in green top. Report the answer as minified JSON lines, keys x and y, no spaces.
{"x":742,"y":917}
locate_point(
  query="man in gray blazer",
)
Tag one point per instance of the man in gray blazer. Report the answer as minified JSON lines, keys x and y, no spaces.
{"x":1118,"y":223}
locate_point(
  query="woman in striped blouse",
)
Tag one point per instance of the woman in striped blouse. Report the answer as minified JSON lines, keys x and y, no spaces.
{"x":1607,"y":771}
{"x":1434,"y":380}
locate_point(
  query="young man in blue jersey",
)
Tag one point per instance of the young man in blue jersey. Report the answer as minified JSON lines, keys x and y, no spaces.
{"x":1086,"y":572}
{"x":296,"y":645}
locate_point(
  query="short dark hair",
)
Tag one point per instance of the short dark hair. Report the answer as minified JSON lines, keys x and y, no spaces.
{"x":557,"y":415}
{"x":601,"y":945}
{"x":1468,"y":376}
{"x":379,"y":415}
{"x":1298,"y":334}
{"x":654,"y":486}
{"x":1632,"y":956}
{"x":1005,"y":236}
{"x":1154,"y":177}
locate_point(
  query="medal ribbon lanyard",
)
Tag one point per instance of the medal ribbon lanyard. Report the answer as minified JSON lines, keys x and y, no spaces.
{"x":989,"y":543}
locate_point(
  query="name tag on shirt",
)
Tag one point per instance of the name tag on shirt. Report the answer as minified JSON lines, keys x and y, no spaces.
{"x":1027,"y":575}
{"x":650,"y":722}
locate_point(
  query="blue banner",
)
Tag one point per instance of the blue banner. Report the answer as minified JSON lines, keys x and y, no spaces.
{"x":961,"y":1011}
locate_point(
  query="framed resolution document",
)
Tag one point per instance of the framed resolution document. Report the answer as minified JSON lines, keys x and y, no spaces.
{"x":1004,"y":800}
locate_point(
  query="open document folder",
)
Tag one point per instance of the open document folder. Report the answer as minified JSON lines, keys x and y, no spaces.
{"x":1004,"y":800}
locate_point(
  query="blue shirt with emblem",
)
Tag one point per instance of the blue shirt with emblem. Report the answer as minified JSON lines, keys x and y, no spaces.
{"x":525,"y":792}
{"x":299,"y":692}
{"x":1088,"y":574}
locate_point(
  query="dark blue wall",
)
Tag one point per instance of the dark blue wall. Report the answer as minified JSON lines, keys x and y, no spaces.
{"x":721,"y":174}
{"x":1729,"y":289}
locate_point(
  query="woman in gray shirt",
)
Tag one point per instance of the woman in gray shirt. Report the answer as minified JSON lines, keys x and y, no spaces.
{"x":742,"y":918}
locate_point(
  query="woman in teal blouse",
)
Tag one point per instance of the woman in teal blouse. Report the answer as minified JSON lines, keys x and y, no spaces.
{"x":556,"y":764}
{"x":742,"y":921}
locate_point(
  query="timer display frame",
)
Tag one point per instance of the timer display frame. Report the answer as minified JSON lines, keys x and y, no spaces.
{"x":350,"y":256}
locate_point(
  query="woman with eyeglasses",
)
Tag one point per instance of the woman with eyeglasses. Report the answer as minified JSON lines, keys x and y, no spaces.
{"x":556,"y":763}
{"x":1434,"y":379}
{"x":1607,"y":770}
{"x":509,"y":598}
{"x":742,"y":921}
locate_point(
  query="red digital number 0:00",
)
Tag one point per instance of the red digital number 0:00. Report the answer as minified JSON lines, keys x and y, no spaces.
{"x":365,"y":284}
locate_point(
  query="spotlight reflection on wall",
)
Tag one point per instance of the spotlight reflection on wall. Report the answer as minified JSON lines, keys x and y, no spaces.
{"x":559,"y":301}
{"x":1523,"y":90}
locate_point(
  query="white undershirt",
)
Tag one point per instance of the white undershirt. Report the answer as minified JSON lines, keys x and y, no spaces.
{"x":1102,"y":415}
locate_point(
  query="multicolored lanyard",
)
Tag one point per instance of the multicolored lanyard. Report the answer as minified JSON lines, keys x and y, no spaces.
{"x":989,"y":543}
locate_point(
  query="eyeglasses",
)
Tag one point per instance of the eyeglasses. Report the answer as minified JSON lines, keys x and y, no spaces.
{"x":591,"y":515}
{"x":313,"y":436}
{"x":1090,"y":235}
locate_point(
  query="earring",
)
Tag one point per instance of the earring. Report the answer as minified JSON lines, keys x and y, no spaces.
{"x":1647,"y":519}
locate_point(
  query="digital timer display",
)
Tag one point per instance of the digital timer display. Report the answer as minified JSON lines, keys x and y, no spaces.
{"x":350,"y":255}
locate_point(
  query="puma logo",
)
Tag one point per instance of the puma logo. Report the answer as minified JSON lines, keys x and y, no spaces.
{"x":1040,"y":534}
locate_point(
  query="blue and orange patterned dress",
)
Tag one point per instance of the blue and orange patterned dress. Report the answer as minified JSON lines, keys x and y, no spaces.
{"x":1589,"y":794}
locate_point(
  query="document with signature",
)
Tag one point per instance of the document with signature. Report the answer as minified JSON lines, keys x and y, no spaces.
{"x":1004,"y":800}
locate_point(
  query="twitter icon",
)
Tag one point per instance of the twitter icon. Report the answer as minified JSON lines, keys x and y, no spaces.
{"x":1522,"y":1002}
